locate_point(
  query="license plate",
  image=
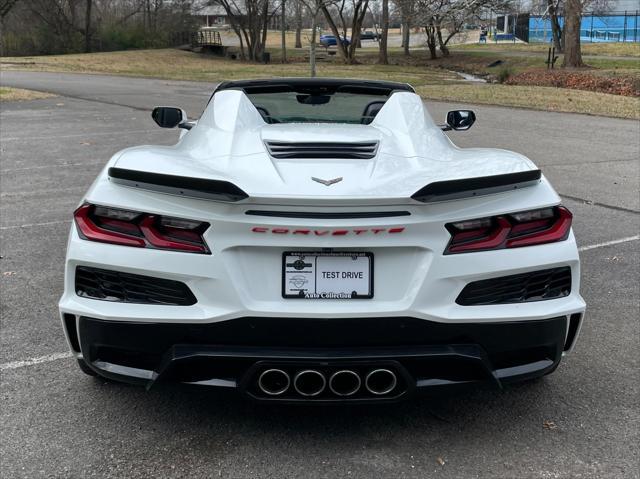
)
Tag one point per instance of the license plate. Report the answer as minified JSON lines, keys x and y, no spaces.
{"x":313,"y":275}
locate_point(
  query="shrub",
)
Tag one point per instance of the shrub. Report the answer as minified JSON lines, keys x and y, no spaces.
{"x":504,"y":74}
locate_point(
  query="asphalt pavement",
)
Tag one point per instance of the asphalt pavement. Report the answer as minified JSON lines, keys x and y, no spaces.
{"x":581,"y":421}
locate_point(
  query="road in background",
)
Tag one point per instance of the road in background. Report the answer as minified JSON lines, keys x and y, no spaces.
{"x":57,"y":422}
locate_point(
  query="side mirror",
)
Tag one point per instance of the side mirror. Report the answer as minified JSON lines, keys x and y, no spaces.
{"x":168,"y":116}
{"x":459,"y":120}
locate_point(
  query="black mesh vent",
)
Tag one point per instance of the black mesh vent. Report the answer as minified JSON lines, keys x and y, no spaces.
{"x":286,"y":150}
{"x":518,"y":288}
{"x":131,"y":288}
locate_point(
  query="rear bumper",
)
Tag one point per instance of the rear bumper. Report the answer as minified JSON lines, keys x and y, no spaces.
{"x":425,"y":355}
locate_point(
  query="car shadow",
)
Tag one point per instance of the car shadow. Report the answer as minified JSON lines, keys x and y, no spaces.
{"x":202,"y":407}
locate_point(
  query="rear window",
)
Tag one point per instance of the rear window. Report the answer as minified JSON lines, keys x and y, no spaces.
{"x":319,"y":105}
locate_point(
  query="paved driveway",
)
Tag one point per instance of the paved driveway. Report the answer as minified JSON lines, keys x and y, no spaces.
{"x":57,"y":422}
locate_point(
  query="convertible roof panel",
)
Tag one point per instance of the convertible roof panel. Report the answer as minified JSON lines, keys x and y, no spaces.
{"x":313,"y":83}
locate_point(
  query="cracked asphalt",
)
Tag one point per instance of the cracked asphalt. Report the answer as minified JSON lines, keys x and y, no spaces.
{"x":57,"y":422}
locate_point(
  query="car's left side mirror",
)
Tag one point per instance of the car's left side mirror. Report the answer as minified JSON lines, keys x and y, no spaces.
{"x":170,"y":117}
{"x":459,"y":120}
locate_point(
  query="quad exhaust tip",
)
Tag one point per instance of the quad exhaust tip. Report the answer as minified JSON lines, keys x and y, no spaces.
{"x":344,"y":383}
{"x":309,"y":383}
{"x":274,"y":382}
{"x":380,"y":381}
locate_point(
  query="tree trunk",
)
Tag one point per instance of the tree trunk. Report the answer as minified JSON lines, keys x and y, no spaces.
{"x":87,"y":27}
{"x":430,"y":31}
{"x":356,"y":27}
{"x":283,"y":29}
{"x":312,"y":47}
{"x":572,"y":19}
{"x":263,"y":37}
{"x":383,"y":57}
{"x":406,"y":37}
{"x":441,"y":43}
{"x":555,"y":25}
{"x":298,"y":24}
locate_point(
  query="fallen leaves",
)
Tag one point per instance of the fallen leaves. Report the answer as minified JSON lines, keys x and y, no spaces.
{"x":577,"y":80}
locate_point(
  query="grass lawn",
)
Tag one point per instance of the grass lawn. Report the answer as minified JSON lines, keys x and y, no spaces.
{"x":17,"y":94}
{"x":553,"y":99}
{"x":433,"y":80}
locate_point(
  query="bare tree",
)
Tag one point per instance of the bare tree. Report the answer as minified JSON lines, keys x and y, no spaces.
{"x":406,"y":8}
{"x":314,"y":7}
{"x":552,"y":11}
{"x":358,"y":12}
{"x":443,"y":19}
{"x":249,"y":20}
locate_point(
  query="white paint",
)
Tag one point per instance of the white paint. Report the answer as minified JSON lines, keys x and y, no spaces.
{"x":609,"y":243}
{"x":31,"y":225}
{"x":32,"y":361}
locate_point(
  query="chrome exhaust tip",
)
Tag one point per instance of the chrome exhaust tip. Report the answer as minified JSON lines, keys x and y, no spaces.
{"x":274,"y":382}
{"x":344,"y":382}
{"x":309,"y":382}
{"x":381,"y":381}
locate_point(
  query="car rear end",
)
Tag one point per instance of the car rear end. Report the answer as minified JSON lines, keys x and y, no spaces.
{"x":320,"y":240}
{"x":233,"y":295}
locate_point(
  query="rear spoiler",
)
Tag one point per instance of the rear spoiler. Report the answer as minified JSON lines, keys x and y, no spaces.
{"x":178,"y":185}
{"x":480,"y":186}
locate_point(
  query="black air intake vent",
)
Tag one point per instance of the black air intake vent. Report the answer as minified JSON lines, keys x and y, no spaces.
{"x":358,"y":151}
{"x":131,"y":288}
{"x":518,"y":288}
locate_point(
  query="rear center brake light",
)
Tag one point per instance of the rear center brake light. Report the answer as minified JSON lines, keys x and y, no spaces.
{"x":141,"y":230}
{"x":527,"y":228}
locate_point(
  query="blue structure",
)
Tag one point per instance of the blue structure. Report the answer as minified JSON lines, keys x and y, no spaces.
{"x":619,"y":27}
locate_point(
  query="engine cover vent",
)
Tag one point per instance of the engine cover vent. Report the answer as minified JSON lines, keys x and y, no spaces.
{"x":351,"y":151}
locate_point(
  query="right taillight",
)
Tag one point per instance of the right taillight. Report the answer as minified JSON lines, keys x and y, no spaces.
{"x":141,"y":230}
{"x":526,"y":228}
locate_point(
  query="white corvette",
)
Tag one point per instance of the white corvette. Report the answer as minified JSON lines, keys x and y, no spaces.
{"x":320,"y":240}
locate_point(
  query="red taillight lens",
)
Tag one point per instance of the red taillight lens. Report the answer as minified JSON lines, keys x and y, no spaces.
{"x":527,"y":228}
{"x":142,"y":230}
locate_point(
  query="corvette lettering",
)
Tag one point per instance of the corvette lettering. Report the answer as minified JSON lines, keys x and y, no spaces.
{"x":336,"y":232}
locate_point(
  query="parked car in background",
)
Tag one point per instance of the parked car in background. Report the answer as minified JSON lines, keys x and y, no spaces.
{"x":330,"y":40}
{"x":369,"y":35}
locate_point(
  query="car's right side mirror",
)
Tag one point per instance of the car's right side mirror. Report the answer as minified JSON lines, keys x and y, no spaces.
{"x":168,"y":116}
{"x":459,"y":120}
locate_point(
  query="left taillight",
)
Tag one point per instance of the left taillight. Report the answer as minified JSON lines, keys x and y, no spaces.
{"x":526,"y":228}
{"x":140,"y":230}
